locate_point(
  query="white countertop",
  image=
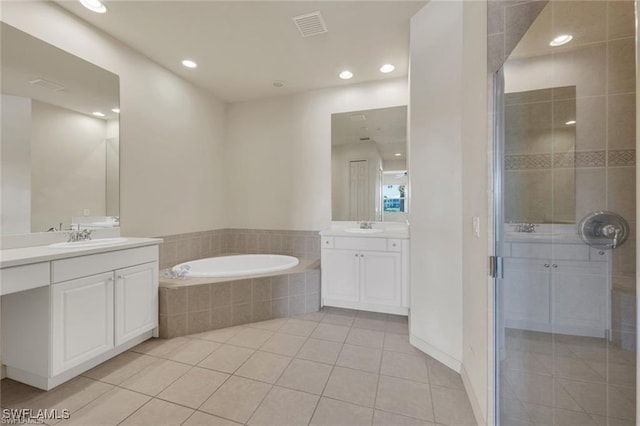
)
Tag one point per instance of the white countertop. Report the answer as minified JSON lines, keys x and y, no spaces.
{"x":389,"y":230}
{"x":533,"y":237}
{"x":35,"y":254}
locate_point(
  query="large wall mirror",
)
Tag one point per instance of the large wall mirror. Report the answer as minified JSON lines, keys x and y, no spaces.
{"x":369,"y":165}
{"x":59,"y":139}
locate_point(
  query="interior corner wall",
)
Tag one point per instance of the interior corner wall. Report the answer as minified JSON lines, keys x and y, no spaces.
{"x":168,"y":128}
{"x":280,"y":149}
{"x":435,"y":174}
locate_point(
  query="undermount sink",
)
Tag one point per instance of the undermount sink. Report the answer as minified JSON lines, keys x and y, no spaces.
{"x":88,"y":243}
{"x":364,"y":230}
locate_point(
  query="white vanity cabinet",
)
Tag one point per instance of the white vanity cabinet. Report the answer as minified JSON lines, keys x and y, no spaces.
{"x":94,"y":307}
{"x":568,"y":293}
{"x":365,"y":273}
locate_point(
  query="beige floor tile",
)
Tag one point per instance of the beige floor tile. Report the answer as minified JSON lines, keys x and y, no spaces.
{"x":441,"y":375}
{"x":194,"y":388}
{"x":18,"y":395}
{"x":540,"y":390}
{"x":363,"y":337}
{"x":372,"y":315}
{"x":194,"y":351}
{"x":227,"y":358}
{"x":452,"y":407}
{"x":571,"y":368}
{"x":543,"y":415}
{"x":251,"y":338}
{"x":397,"y":327}
{"x":71,"y":396}
{"x":156,"y":377}
{"x":298,"y":327}
{"x":320,"y":350}
{"x":346,"y":321}
{"x":399,"y":343}
{"x":354,"y":386}
{"x":285,"y":407}
{"x":622,"y":402}
{"x":203,"y":419}
{"x":331,"y":332}
{"x":271,"y":325}
{"x":526,"y":361}
{"x":222,"y":335}
{"x":160,"y":347}
{"x":370,"y":324}
{"x":382,"y":418}
{"x":405,"y":397}
{"x":283,"y":344}
{"x":264,"y":366}
{"x":109,"y":409}
{"x":338,"y":413}
{"x":615,"y":374}
{"x":405,"y":366}
{"x":612,"y":421}
{"x":340,"y":311}
{"x":591,"y":397}
{"x":360,"y":358}
{"x":118,"y":369}
{"x":313,"y":316}
{"x":157,"y":413}
{"x":236,"y":399}
{"x":307,"y":376}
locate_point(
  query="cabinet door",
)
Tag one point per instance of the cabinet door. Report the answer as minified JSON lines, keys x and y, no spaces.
{"x":527,"y":294}
{"x":341,"y":275}
{"x":82,"y":320}
{"x":136,"y":301}
{"x":381,"y":278}
{"x":580,"y":295}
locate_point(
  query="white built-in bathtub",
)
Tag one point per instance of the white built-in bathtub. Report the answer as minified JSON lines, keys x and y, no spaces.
{"x":237,"y":265}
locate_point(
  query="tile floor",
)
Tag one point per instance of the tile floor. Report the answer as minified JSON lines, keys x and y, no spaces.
{"x":333,"y":367}
{"x":566,"y":380}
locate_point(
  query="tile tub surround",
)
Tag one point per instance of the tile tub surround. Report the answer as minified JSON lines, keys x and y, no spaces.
{"x":198,"y":245}
{"x":196,"y":305}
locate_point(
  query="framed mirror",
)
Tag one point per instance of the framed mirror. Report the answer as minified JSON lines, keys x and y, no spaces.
{"x":59,"y":140}
{"x":369,"y":165}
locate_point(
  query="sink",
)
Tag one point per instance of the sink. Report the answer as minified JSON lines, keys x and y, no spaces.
{"x":364,"y":231}
{"x":88,"y":243}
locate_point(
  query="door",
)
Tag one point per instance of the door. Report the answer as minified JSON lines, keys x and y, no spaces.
{"x":527,"y":298}
{"x":82,"y":320}
{"x":359,"y":190}
{"x":341,"y":275}
{"x":136,"y":301}
{"x":381,"y":279}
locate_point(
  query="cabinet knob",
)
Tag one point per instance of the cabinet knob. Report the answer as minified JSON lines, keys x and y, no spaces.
{"x":601,"y":253}
{"x":356,"y":254}
{"x":393,"y":245}
{"x":554,"y":265}
{"x":121,"y":277}
{"x":546,"y":265}
{"x":361,"y":255}
{"x":110,"y":279}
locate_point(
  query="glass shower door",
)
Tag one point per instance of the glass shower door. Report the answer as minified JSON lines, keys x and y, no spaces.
{"x":566,"y":219}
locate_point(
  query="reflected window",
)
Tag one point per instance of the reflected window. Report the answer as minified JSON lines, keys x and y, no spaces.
{"x":393,"y":197}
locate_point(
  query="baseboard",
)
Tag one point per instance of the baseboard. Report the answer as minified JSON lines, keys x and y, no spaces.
{"x":475,"y":405}
{"x":3,"y":372}
{"x":436,"y":353}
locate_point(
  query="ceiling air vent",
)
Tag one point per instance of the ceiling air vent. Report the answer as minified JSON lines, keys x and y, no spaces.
{"x":365,"y":139}
{"x":46,"y":84}
{"x":310,"y":24}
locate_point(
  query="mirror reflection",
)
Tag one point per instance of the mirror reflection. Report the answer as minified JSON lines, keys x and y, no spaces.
{"x":369,"y":165}
{"x":60,"y":139}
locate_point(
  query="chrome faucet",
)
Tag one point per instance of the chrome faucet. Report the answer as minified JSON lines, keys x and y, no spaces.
{"x":366,"y":225}
{"x":525,"y":227}
{"x":177,"y":274}
{"x":79,"y":235}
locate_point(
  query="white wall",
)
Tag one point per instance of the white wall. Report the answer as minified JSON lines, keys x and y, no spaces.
{"x":168,"y":128}
{"x":15,"y":165}
{"x":280,"y":149}
{"x":448,"y":173}
{"x":67,"y":166}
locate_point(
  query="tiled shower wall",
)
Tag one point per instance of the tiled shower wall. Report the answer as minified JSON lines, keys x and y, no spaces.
{"x":197,"y":245}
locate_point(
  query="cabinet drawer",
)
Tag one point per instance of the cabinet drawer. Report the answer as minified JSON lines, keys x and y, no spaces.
{"x":360,"y":243}
{"x":26,"y":277}
{"x":84,"y":266}
{"x":550,"y":251}
{"x":394,"y":245}
{"x":327,"y":242}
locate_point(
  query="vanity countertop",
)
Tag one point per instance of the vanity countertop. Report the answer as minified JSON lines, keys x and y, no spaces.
{"x":387,"y":230}
{"x":35,"y":254}
{"x":534,"y":237}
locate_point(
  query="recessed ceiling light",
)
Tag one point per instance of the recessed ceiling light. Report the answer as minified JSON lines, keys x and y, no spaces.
{"x":94,"y":5}
{"x":189,"y":63}
{"x":561,"y":39}
{"x":98,"y":114}
{"x":278,"y":83}
{"x":116,"y":110}
{"x":345,"y":75}
{"x":570,"y":122}
{"x":386,"y":68}
{"x":398,"y":154}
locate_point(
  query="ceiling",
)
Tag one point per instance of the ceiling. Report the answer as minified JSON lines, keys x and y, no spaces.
{"x":87,"y":88}
{"x":242,"y":47}
{"x":387,"y":127}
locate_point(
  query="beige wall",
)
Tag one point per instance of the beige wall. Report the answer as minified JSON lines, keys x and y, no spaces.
{"x":280,"y":152}
{"x":168,"y":128}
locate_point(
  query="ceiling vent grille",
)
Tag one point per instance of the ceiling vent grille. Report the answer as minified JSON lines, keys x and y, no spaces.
{"x":310,"y":24}
{"x":46,"y":84}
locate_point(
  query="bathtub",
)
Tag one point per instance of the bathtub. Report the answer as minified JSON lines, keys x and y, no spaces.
{"x":237,"y":265}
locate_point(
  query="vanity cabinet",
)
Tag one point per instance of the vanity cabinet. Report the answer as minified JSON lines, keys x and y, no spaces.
{"x":365,"y":273}
{"x":95,"y":307}
{"x":566,"y":294}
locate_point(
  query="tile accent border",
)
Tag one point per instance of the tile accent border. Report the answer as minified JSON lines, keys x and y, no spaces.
{"x":623,"y":157}
{"x":579,"y":159}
